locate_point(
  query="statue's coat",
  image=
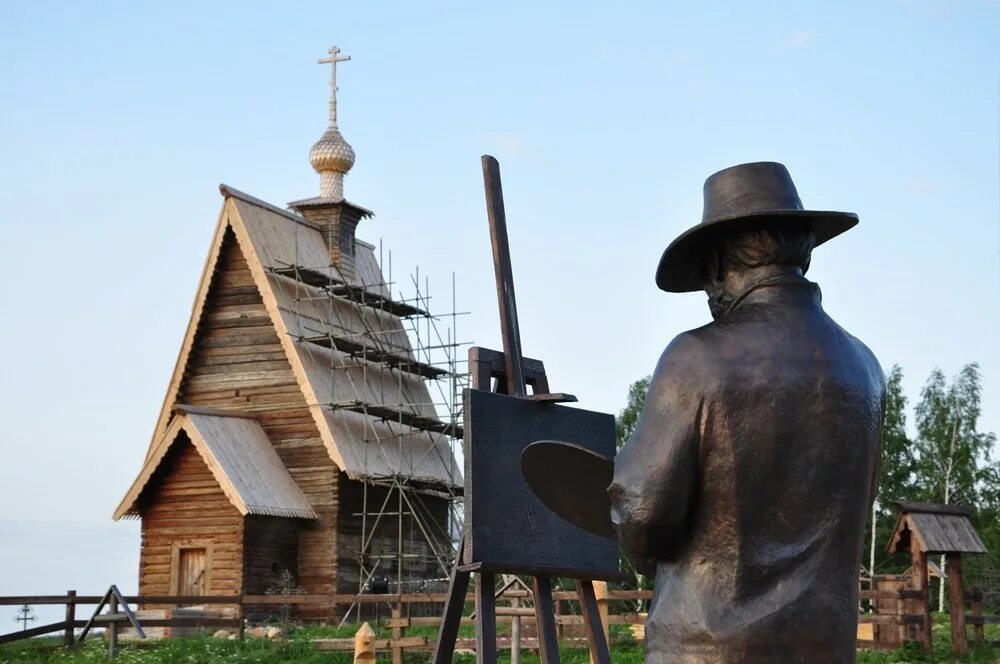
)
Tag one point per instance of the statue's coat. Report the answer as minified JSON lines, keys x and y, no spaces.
{"x":748,"y":481}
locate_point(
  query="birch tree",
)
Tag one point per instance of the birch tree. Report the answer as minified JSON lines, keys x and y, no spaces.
{"x":953,"y":465}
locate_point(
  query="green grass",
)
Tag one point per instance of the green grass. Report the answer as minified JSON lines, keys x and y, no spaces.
{"x":206,"y":650}
{"x":187,"y":650}
{"x":941,"y":638}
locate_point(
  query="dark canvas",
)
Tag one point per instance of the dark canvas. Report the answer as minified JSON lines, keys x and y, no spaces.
{"x":507,"y":527}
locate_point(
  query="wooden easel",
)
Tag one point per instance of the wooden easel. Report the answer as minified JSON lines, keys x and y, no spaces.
{"x":513,"y":374}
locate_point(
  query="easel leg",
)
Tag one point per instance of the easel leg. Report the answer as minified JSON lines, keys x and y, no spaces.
{"x":545,"y":620}
{"x":486,"y":619}
{"x":599,"y":651}
{"x":458,"y":586}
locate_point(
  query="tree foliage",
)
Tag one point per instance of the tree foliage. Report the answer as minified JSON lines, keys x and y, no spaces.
{"x":953,"y":463}
{"x":898,"y":470}
{"x":624,"y":426}
{"x":898,"y":473}
{"x":629,"y":415}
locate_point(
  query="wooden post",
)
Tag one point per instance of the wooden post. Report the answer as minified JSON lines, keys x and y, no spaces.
{"x":902,"y":630}
{"x":241,"y":613}
{"x":601,"y":595}
{"x":486,"y":619}
{"x":545,"y":620}
{"x":920,"y":582}
{"x":113,"y":627}
{"x":70,"y":618}
{"x":956,"y":603}
{"x":560,"y":628}
{"x":364,"y":645}
{"x":600,"y":653}
{"x":509,"y":328}
{"x":453,"y":607}
{"x":978,"y":633}
{"x":397,"y":633}
{"x":515,"y":634}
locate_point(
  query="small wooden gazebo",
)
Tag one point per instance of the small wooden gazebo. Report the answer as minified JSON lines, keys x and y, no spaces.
{"x":929,"y":528}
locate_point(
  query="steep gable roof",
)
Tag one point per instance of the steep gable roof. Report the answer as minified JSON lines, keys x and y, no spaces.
{"x":272,"y":240}
{"x":936,"y":528}
{"x":240,"y":457}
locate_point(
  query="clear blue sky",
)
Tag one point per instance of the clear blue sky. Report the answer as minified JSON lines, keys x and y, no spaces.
{"x":118,"y":121}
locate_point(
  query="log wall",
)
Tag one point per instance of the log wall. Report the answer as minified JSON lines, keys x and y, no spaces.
{"x":184,"y":506}
{"x":270,"y":547}
{"x":237,"y":363}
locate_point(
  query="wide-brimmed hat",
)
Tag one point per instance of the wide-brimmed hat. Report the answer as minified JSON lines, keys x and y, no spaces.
{"x":736,"y":197}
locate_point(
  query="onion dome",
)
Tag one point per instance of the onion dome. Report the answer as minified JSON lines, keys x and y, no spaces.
{"x":331,"y":152}
{"x":331,"y":155}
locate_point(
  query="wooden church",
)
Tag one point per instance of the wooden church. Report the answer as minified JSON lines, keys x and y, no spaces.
{"x":296,"y":408}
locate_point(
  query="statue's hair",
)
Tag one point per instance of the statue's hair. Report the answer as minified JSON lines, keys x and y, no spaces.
{"x":768,"y":243}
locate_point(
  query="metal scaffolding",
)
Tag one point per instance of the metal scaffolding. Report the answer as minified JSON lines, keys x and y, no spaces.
{"x":391,"y":339}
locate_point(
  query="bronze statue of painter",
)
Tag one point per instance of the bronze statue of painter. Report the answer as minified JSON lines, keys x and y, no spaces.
{"x":753,"y":466}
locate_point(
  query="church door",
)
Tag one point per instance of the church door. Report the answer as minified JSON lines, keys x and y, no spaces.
{"x":191,"y":572}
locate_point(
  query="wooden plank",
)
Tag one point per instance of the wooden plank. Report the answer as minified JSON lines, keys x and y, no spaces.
{"x":18,"y":600}
{"x":878,"y":594}
{"x":525,"y":611}
{"x":191,"y":621}
{"x":291,"y":599}
{"x":378,"y":644}
{"x":398,"y":622}
{"x":34,"y":631}
{"x":629,"y":594}
{"x":107,"y":618}
{"x":889,"y":619}
{"x":528,"y":643}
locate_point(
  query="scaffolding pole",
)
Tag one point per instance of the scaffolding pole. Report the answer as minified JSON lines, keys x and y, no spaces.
{"x":399,"y":340}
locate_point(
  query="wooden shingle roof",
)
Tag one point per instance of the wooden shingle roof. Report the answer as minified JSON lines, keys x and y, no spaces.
{"x":241,"y":459}
{"x":364,"y":447}
{"x":934,"y":528}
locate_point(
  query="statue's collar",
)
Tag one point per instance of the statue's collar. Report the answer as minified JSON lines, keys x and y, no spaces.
{"x":778,"y":287}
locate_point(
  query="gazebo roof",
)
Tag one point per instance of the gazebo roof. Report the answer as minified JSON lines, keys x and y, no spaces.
{"x":934,"y":528}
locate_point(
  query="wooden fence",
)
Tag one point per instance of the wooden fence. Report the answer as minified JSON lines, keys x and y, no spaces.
{"x":71,"y":600}
{"x":977,"y":619}
{"x":899,"y":616}
{"x":398,"y":622}
{"x":906,"y":622}
{"x":904,"y":615}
